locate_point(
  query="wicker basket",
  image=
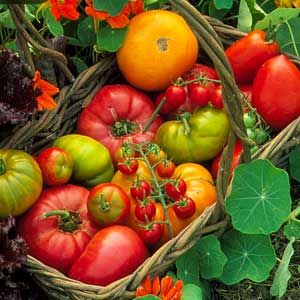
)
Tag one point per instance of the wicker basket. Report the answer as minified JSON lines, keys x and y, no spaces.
{"x":36,"y":134}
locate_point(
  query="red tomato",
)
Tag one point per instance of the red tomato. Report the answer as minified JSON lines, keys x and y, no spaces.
{"x":128,"y":166}
{"x":276,"y":92}
{"x":238,"y":150}
{"x":216,"y":99}
{"x":56,"y":166}
{"x":185,"y":207}
{"x":175,"y":190}
{"x":59,"y":240}
{"x":113,"y":253}
{"x":140,"y":190}
{"x":166,"y":108}
{"x":199,"y":95}
{"x":145,"y":211}
{"x":175,"y":95}
{"x":165,"y":169}
{"x":248,"y":54}
{"x":151,"y":235}
{"x":118,"y":113}
{"x":108,"y":204}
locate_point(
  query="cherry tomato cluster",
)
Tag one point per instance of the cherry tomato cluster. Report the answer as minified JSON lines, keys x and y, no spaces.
{"x":128,"y":165}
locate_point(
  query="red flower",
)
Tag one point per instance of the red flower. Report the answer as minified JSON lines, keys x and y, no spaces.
{"x":164,"y":289}
{"x":64,"y":8}
{"x":133,"y":7}
{"x":47,"y":90}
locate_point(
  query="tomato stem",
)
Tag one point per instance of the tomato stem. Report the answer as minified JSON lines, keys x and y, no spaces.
{"x":200,"y":79}
{"x":184,"y":118}
{"x":103,"y":205}
{"x":123,"y":127}
{"x":156,"y":111}
{"x":2,"y":166}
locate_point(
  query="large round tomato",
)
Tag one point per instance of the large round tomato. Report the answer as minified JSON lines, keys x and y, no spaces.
{"x":275,"y":92}
{"x":118,"y":113}
{"x":198,"y":137}
{"x":92,"y":162}
{"x":114,"y":252}
{"x":58,"y":240}
{"x":159,"y":47}
{"x":20,"y":182}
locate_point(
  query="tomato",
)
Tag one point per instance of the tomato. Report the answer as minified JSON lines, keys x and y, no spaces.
{"x":145,"y":211}
{"x":60,"y":239}
{"x":154,"y":54}
{"x":237,"y":152}
{"x":165,"y":168}
{"x":175,"y":190}
{"x":113,"y":253}
{"x":20,"y":182}
{"x":128,"y":166}
{"x":155,"y":157}
{"x":216,"y":98}
{"x":175,"y":95}
{"x":275,"y":92}
{"x":185,"y":207}
{"x":166,"y":107}
{"x":92,"y":162}
{"x":56,"y":165}
{"x":108,"y":204}
{"x":249,"y":53}
{"x":118,"y":113}
{"x":199,"y":95}
{"x":124,"y":153}
{"x":152,"y":234}
{"x":196,"y":137}
{"x":140,"y":189}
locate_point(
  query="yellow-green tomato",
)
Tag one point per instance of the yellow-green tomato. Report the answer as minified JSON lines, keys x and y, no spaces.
{"x":20,"y":182}
{"x":92,"y":161}
{"x":194,"y":137}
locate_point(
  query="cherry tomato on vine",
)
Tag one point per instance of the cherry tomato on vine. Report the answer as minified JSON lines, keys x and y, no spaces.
{"x":123,"y":152}
{"x":216,"y":97}
{"x":128,"y":166}
{"x":166,"y":108}
{"x":185,"y":207}
{"x":165,"y":168}
{"x":140,"y":190}
{"x":199,"y":95}
{"x":145,"y":211}
{"x":175,"y":95}
{"x":151,"y":235}
{"x":175,"y":190}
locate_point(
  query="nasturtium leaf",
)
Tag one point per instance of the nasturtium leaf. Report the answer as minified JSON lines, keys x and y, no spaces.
{"x":54,"y":26}
{"x":6,"y":20}
{"x":294,"y":164}
{"x":211,"y":258}
{"x":216,"y":13}
{"x":292,"y":229}
{"x":267,"y":6}
{"x":148,"y":297}
{"x":277,"y":16}
{"x":250,"y":256}
{"x":85,"y":32}
{"x":172,"y":275}
{"x":79,"y":64}
{"x":283,"y":275}
{"x":188,"y":268}
{"x":110,"y":39}
{"x":245,"y":17}
{"x":223,"y":4}
{"x":192,"y":292}
{"x":259,"y":201}
{"x":112,"y":7}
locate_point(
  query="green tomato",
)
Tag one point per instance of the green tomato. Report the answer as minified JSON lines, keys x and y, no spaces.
{"x":199,"y":137}
{"x":21,"y":182}
{"x":249,"y":120}
{"x":92,"y":161}
{"x":261,"y":136}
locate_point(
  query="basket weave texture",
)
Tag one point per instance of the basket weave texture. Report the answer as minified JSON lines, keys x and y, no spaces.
{"x":39,"y":133}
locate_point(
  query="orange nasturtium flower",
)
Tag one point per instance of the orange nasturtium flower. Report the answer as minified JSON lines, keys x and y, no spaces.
{"x":133,"y":7}
{"x":287,"y":3}
{"x":165,"y":289}
{"x":46,"y":91}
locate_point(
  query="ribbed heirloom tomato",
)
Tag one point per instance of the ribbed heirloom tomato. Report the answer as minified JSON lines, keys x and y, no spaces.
{"x":159,"y":47}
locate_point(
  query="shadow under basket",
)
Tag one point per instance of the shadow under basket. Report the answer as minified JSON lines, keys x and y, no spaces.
{"x":40,"y":132}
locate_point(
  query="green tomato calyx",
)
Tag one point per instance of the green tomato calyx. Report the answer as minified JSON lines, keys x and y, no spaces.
{"x":68,"y":221}
{"x":185,"y":121}
{"x":103,"y":205}
{"x":123,"y":127}
{"x":2,"y":166}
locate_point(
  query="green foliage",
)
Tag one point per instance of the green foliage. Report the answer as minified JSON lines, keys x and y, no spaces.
{"x":109,"y":39}
{"x":112,"y":7}
{"x":292,"y":229}
{"x":294,"y":164}
{"x":148,"y":297}
{"x":260,"y":201}
{"x":223,"y":4}
{"x":192,"y":292}
{"x":54,"y":26}
{"x":249,"y":257}
{"x":79,"y":64}
{"x":283,"y":274}
{"x":245,"y":17}
{"x":85,"y":31}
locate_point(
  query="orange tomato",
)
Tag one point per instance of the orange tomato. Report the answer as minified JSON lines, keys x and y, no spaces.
{"x":159,"y":47}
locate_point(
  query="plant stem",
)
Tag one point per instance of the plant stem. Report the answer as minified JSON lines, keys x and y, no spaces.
{"x":200,"y":78}
{"x":295,"y":213}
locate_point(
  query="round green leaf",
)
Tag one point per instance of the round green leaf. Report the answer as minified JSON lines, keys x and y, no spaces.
{"x":294,"y":164}
{"x":112,"y":7}
{"x":211,"y":258}
{"x":259,"y":201}
{"x":85,"y":32}
{"x":292,"y":229}
{"x":249,"y":257}
{"x":54,"y":26}
{"x":192,"y":292}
